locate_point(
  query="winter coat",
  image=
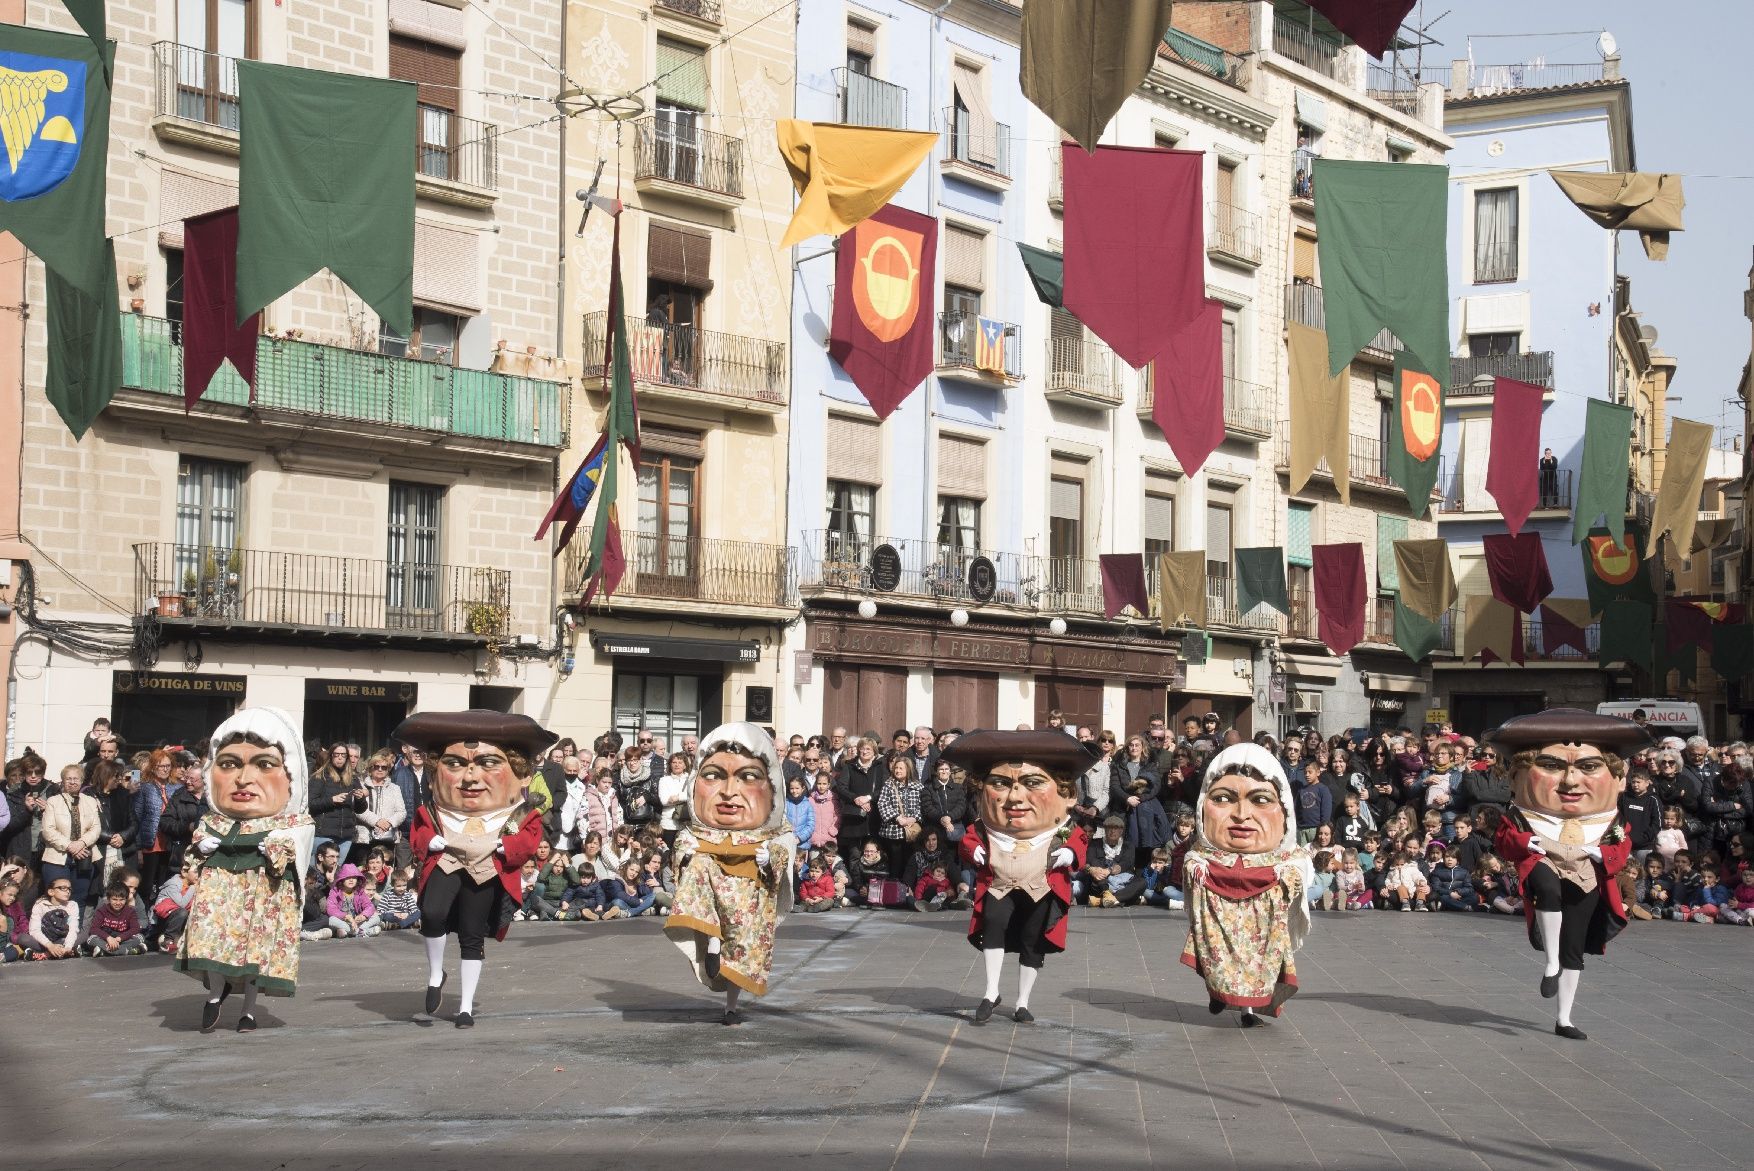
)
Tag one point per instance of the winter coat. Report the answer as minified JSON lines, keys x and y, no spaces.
{"x":149,"y":806}
{"x":116,"y":812}
{"x":821,"y":887}
{"x":359,"y":903}
{"x":15,"y":924}
{"x":852,"y":781}
{"x":1148,"y":825}
{"x":1470,"y":851}
{"x":1451,"y":882}
{"x":1689,"y":888}
{"x":638,"y":792}
{"x":58,"y":827}
{"x":1315,"y":806}
{"x":895,"y":800}
{"x":1725,"y":806}
{"x":180,"y":818}
{"x":1482,"y":787}
{"x":1716,"y":895}
{"x":382,"y":803}
{"x":928,"y":887}
{"x":413,"y":786}
{"x":944,"y":799}
{"x":825,"y":818}
{"x":802,"y":814}
{"x":15,"y":836}
{"x":1643,"y":816}
{"x":1123,"y":776}
{"x":600,"y":811}
{"x":335,"y":822}
{"x":52,"y":922}
{"x":556,"y":877}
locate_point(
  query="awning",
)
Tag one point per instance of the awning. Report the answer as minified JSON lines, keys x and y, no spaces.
{"x":1393,"y":684}
{"x":1401,"y":145}
{"x":710,"y":650}
{"x":1323,"y":670}
{"x":1312,"y":111}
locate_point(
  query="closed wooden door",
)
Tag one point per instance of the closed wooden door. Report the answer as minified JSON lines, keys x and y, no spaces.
{"x":1079,"y":700}
{"x":863,"y":698}
{"x":965,"y":699}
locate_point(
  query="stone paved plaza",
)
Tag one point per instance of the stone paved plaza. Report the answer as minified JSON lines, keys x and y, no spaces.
{"x":1418,"y":1041}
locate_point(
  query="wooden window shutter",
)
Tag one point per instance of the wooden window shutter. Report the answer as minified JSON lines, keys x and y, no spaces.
{"x":1303,"y":258}
{"x":671,"y":440}
{"x":681,"y":74}
{"x":855,"y":450}
{"x":680,"y":255}
{"x":1226,"y":185}
{"x":1159,"y":519}
{"x":435,"y":69}
{"x":965,"y":258}
{"x":962,"y":467}
{"x":861,"y":38}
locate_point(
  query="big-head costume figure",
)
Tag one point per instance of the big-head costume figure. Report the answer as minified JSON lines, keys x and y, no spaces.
{"x":255,"y":845}
{"x":1564,"y":836}
{"x":473,"y":835}
{"x":735,"y":858}
{"x":1024,"y":850}
{"x":1246,"y":884}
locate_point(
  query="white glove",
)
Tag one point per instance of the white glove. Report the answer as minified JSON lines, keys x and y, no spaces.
{"x":1060,"y":858}
{"x":436,"y":845}
{"x":1593,"y":852}
{"x":207,"y":845}
{"x":500,"y":849}
{"x":1535,"y":847}
{"x":761,"y":855}
{"x":980,"y":855}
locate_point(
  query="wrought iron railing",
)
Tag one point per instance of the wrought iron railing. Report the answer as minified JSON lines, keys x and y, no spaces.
{"x":1303,"y":304}
{"x":1081,"y":364}
{"x":676,"y":152}
{"x":1304,"y":46}
{"x":1248,"y":409}
{"x":1536,"y":643}
{"x":834,"y":559}
{"x":967,"y":341}
{"x":868,"y":101}
{"x":1471,"y":375}
{"x":1484,"y":80}
{"x":1220,"y":603}
{"x":692,"y":358}
{"x":1235,"y":232}
{"x":697,"y":569}
{"x":987,"y":151}
{"x":1364,"y":458}
{"x":708,"y":11}
{"x":335,"y":383}
{"x":320,"y":591}
{"x":1495,"y":263}
{"x":1552,"y":492}
{"x":1207,"y":58}
{"x":469,"y":154}
{"x":1302,"y":622}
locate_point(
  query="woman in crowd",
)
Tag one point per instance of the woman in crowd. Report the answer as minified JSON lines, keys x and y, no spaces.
{"x":590,"y":862}
{"x":1134,"y":791}
{"x":337,"y":799}
{"x":150,"y":801}
{"x":898,"y":813}
{"x":673,"y":794}
{"x":108,"y":783}
{"x":855,"y":786}
{"x":380,"y":821}
{"x":72,"y":827}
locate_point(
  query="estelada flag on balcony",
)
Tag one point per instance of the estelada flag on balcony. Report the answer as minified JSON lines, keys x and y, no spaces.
{"x":1516,"y":565}
{"x":1427,"y":582}
{"x":1383,"y":257}
{"x":1135,"y":253}
{"x":989,"y":345}
{"x":1340,"y":594}
{"x":1372,"y":23}
{"x":1616,"y":569}
{"x":1081,"y":59}
{"x":1415,"y":431}
{"x":1562,"y":625}
{"x":1187,"y":387}
{"x":1607,"y":465}
{"x":1123,"y":584}
{"x":1646,"y":202}
{"x":326,"y":180}
{"x":1260,"y":579}
{"x":843,"y":174}
{"x":885,"y":272}
{"x":575,"y":496}
{"x":1677,"y":508}
{"x":1321,"y":411}
{"x":1513,"y":462}
{"x":212,"y":333}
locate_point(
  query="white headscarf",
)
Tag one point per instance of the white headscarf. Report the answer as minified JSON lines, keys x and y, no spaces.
{"x":275,"y":727}
{"x":1265,"y":763}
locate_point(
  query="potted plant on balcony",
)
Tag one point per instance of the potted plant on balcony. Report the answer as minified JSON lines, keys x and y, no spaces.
{"x":170,"y":602}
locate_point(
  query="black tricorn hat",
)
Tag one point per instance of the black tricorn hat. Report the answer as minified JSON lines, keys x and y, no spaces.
{"x":434,"y":731}
{"x":1054,"y":752}
{"x":1569,"y":725}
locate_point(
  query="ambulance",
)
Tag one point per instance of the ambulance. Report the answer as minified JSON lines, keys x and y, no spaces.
{"x":1664,"y":717}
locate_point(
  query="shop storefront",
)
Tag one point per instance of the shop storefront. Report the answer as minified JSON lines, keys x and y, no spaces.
{"x":362,"y":712}
{"x":674,"y":687}
{"x":165,"y":707}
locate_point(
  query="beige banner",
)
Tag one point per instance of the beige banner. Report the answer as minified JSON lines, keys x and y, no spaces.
{"x":1428,"y":583}
{"x":1489,"y":626}
{"x":1320,"y":408}
{"x":1181,"y":589}
{"x":1677,"y":509}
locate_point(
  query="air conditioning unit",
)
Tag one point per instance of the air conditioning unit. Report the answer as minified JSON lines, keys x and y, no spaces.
{"x":1306,"y":703}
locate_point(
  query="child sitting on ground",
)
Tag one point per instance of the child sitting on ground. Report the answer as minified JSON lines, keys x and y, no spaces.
{"x":14,"y":926}
{"x":351,"y":910}
{"x":1497,"y":885}
{"x":1434,"y":830}
{"x":1349,"y":884}
{"x":1159,"y":890}
{"x":314,"y":924}
{"x":54,"y":922}
{"x":399,"y":907}
{"x":1452,"y":884}
{"x":1743,"y":899}
{"x":1672,"y":838}
{"x":1655,"y":890}
{"x":1404,"y":886}
{"x":816,"y":892}
{"x":831,"y":862}
{"x":1626,"y":881}
{"x":115,"y":925}
{"x":870,"y":882}
{"x":1705,"y":896}
{"x":1321,"y":891}
{"x":171,"y":908}
{"x":933,"y":890}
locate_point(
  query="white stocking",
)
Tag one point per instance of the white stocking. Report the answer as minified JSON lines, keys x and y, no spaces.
{"x":1567,"y":993}
{"x":471,"y":973}
{"x":1025,"y":982}
{"x":731,"y":995}
{"x":435,"y":961}
{"x":713,"y":945}
{"x":1549,"y":922}
{"x":995,"y":960}
{"x":249,"y":998}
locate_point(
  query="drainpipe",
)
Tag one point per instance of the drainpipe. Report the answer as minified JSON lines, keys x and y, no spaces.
{"x":926,"y":452}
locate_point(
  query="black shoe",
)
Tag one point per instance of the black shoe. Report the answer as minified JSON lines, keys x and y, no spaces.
{"x":1214,"y":1005}
{"x":465,"y":1021}
{"x":731,"y":1017}
{"x":710,"y":966}
{"x":1570,"y":1033}
{"x":1250,"y":1020}
{"x":434,"y":994}
{"x":1549,"y":987}
{"x":246,"y":1023}
{"x":210,"y":1011}
{"x":1023,"y":1017}
{"x":984,"y":1011}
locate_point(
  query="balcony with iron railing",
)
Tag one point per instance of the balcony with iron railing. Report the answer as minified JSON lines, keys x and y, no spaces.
{"x":1303,"y":304}
{"x":1205,"y":57}
{"x":688,"y":363}
{"x":1221,"y":607}
{"x":709,"y":12}
{"x":1537,"y":647}
{"x":979,"y":347}
{"x":1364,"y":458}
{"x":1082,"y":370}
{"x":834,"y":560}
{"x":1471,"y":375}
{"x":351,"y":387}
{"x":672,"y":157}
{"x":696,"y":570}
{"x":868,"y":101}
{"x":1236,"y":234}
{"x":1461,"y":495}
{"x":1248,"y":406}
{"x":1301,"y":43}
{"x":982,"y":158}
{"x":307,"y":596}
{"x":196,"y":104}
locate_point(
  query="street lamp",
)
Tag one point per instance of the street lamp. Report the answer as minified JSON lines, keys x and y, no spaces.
{"x":867,"y":608}
{"x":1057,"y":626}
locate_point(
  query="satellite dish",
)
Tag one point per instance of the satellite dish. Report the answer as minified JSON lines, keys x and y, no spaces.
{"x":1606,"y":45}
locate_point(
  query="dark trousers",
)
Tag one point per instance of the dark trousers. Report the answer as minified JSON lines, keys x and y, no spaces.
{"x":1549,"y":892}
{"x":1016,"y":923}
{"x":80,"y":874}
{"x":456,"y":904}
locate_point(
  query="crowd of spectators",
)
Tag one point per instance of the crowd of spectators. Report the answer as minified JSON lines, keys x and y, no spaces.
{"x":95,"y":859}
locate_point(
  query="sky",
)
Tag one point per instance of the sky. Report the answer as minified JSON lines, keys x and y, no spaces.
{"x":1689,"y":115}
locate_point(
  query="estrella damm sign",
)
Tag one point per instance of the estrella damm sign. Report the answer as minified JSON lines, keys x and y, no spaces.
{"x":42,"y":122}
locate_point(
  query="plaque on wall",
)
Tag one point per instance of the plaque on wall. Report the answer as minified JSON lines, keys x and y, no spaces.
{"x":885,"y":568}
{"x":983,"y":580}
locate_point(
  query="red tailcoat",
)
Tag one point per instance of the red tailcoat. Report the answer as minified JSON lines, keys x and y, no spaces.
{"x":1512,"y":844}
{"x":1059,"y":882}
{"x":520,"y":847}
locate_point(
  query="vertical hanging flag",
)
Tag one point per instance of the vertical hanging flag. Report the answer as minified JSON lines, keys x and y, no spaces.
{"x":1135,"y":244}
{"x":1428,"y":583}
{"x":1512,"y":469}
{"x":1490,"y":625}
{"x":1607,"y":464}
{"x":1321,"y":407}
{"x":1123,"y":584}
{"x":1415,"y":634}
{"x":1517,"y":569}
{"x":1686,"y":624}
{"x":1616,"y":569}
{"x":212,"y":333}
{"x":85,"y":346}
{"x":1047,"y":272}
{"x":1340,"y":595}
{"x":1732,"y":650}
{"x":1372,"y":23}
{"x":1415,"y":432}
{"x":1626,"y":633}
{"x":1082,"y":59}
{"x":1563,"y":623}
{"x":1384,"y":257}
{"x":1260,"y":580}
{"x":575,"y":495}
{"x":989,"y":346}
{"x":326,"y":180}
{"x":1181,"y":589}
{"x":845,"y":173}
{"x":1187,"y":388}
{"x":605,"y":561}
{"x":1677,"y":509}
{"x":885,"y":274}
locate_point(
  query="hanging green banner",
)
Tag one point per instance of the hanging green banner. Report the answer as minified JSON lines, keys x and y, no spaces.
{"x":1607,"y":465}
{"x":1415,"y":634}
{"x":1616,"y":569}
{"x":1047,"y":272}
{"x":1626,"y":633}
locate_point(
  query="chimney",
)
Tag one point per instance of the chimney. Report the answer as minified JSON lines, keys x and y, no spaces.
{"x":1611,"y":67}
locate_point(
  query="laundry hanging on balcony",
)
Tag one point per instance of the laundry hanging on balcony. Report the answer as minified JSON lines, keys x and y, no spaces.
{"x":1513,"y":466}
{"x":1616,"y":569}
{"x":1260,"y":580}
{"x":1492,"y":628}
{"x":1321,"y":408}
{"x":1181,"y":589}
{"x":1123,"y":584}
{"x":1415,"y":431}
{"x":1426,"y":581}
{"x":1607,"y":467}
{"x":1081,"y":59}
{"x":57,"y":139}
{"x":1135,"y":244}
{"x":326,"y":180}
{"x":1340,"y":595}
{"x":1677,"y":507}
{"x":1626,"y":633}
{"x":1516,"y":565}
{"x":212,"y":333}
{"x":845,"y":173}
{"x":1187,"y":388}
{"x":1646,"y":202}
{"x":881,"y":333}
{"x":1372,"y":23}
{"x":1383,"y":257}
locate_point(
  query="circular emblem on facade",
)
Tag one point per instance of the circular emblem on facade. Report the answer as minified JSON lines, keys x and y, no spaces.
{"x":983,"y":580}
{"x":885,"y":568}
